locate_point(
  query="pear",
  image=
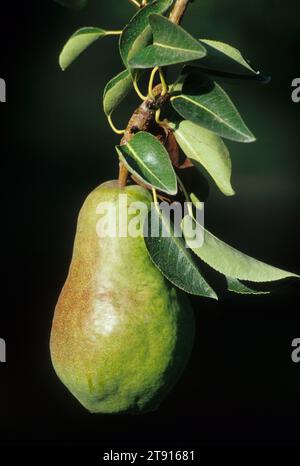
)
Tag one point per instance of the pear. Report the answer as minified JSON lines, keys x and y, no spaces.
{"x":121,"y":333}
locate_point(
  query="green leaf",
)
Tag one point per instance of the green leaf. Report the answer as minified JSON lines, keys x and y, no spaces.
{"x":115,"y":91}
{"x":196,"y":201}
{"x":147,"y":159}
{"x":231,"y":262}
{"x":171,"y":257}
{"x":171,"y":45}
{"x":79,"y":42}
{"x":77,"y":4}
{"x":137,"y":34}
{"x":236,"y":286}
{"x":205,"y":103}
{"x":226,"y":78}
{"x":206,"y":149}
{"x":226,"y":59}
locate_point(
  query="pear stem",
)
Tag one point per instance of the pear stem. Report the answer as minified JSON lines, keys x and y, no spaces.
{"x":123,"y":175}
{"x":144,"y":114}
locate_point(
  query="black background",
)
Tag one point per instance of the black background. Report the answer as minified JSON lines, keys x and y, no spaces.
{"x":241,"y":386}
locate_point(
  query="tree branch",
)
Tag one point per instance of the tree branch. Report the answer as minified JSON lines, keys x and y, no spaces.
{"x":144,"y":116}
{"x":178,"y":11}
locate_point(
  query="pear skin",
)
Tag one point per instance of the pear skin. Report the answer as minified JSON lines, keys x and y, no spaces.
{"x":121,"y":333}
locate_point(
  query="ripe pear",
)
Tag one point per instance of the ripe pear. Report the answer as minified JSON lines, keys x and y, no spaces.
{"x":121,"y":334}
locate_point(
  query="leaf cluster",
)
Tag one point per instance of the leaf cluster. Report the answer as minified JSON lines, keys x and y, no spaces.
{"x":199,"y":114}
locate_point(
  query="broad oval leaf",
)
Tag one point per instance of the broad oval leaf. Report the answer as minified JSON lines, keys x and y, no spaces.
{"x":72,"y":3}
{"x":231,"y":262}
{"x":234,"y":285}
{"x":171,"y":257}
{"x":171,"y":45}
{"x":115,"y":91}
{"x":78,"y":43}
{"x":147,"y":159}
{"x":207,"y":149}
{"x":137,"y":34}
{"x":205,"y":103}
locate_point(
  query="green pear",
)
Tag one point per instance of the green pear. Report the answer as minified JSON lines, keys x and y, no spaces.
{"x":121,"y":334}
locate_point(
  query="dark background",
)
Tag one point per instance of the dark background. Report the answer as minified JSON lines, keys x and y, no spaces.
{"x":241,"y":386}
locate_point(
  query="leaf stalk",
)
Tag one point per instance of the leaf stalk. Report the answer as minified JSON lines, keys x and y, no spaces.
{"x":136,"y":3}
{"x":111,"y":124}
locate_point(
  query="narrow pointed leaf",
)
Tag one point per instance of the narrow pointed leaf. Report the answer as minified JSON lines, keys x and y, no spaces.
{"x":234,"y":285}
{"x":205,"y":103}
{"x":226,"y":78}
{"x":172,"y":258}
{"x":171,"y":45}
{"x":206,"y":149}
{"x":147,"y":159}
{"x":78,"y":43}
{"x":231,"y":262}
{"x":196,"y":201}
{"x":223,"y":58}
{"x":137,"y":34}
{"x":115,"y":91}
